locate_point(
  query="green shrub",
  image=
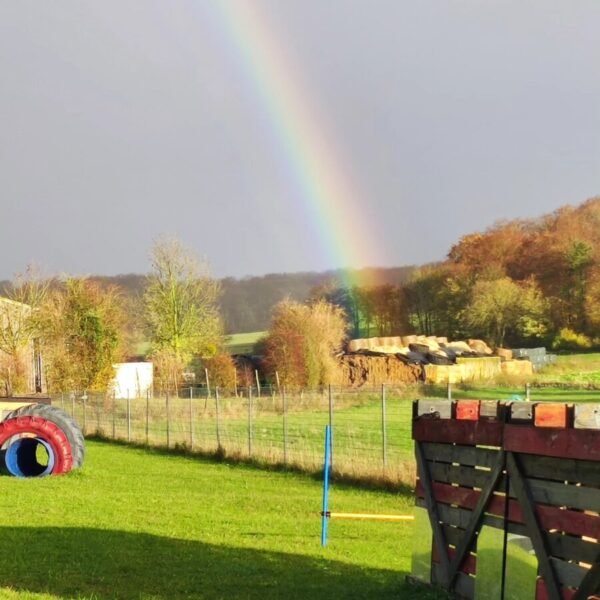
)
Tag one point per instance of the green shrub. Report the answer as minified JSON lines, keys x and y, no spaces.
{"x":567,"y":339}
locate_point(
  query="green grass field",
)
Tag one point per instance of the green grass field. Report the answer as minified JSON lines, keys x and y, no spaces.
{"x":243,"y":343}
{"x":143,"y":524}
{"x":140,"y":524}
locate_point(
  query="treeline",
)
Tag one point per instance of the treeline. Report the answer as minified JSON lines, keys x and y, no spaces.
{"x":246,"y":304}
{"x":524,"y":282}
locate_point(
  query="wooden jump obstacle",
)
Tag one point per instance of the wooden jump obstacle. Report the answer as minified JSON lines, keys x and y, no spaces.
{"x":326,"y":514}
{"x":507,"y":499}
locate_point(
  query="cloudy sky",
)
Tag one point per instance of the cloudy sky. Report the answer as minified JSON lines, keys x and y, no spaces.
{"x":123,"y":120}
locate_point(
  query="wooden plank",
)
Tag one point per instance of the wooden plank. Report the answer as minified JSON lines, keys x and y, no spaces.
{"x":468,"y":566}
{"x":573,"y":548}
{"x":439,"y":539}
{"x":467,"y":410}
{"x":440,"y":409}
{"x":587,"y":416}
{"x":551,"y":414}
{"x":591,"y":582}
{"x":551,"y":517}
{"x":554,"y":493}
{"x":464,"y":476}
{"x":452,"y":515}
{"x":533,"y":526}
{"x":484,"y":499}
{"x":581,"y":444}
{"x":465,"y":455}
{"x":449,"y":494}
{"x":483,"y":433}
{"x":569,"y":574}
{"x":453,"y":534}
{"x":542,"y":592}
{"x":586,"y":472}
{"x":569,"y":521}
{"x":521,"y":411}
{"x":489,"y":409}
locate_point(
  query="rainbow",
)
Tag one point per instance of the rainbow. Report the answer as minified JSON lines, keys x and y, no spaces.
{"x":331,"y":200}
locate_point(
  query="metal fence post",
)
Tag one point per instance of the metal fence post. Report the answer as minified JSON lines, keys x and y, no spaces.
{"x":527,"y":392}
{"x":330,"y":397}
{"x":218,"y":417}
{"x":191,"y":418}
{"x":98,"y":414}
{"x":384,"y":425}
{"x":114,"y":412}
{"x":128,"y":417}
{"x":168,"y":420}
{"x":285,"y":427}
{"x":250,"y":432}
{"x":449,"y":391}
{"x":147,"y":417}
{"x":257,"y":382}
{"x":207,"y":383}
{"x":84,"y":400}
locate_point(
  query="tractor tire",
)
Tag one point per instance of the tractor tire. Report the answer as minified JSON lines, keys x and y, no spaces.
{"x":48,"y":432}
{"x":63,"y":420}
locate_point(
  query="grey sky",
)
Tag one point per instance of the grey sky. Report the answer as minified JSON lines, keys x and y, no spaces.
{"x":123,"y":120}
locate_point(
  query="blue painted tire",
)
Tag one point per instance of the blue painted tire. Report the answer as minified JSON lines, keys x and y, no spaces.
{"x":21,"y":457}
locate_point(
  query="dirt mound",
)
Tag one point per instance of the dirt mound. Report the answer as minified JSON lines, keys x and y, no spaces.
{"x":359,"y":370}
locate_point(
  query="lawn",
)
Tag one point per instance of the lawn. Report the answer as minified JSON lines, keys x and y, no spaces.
{"x":243,"y":343}
{"x":141,"y":524}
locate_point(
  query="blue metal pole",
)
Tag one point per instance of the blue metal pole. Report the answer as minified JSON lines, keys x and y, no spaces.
{"x":326,"y":472}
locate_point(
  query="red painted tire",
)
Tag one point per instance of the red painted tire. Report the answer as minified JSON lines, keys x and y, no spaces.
{"x":51,"y":433}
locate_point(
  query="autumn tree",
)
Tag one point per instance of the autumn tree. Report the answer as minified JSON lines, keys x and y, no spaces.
{"x":181,"y":312}
{"x":80,"y":325}
{"x":500,"y":306}
{"x":302,"y":342}
{"x":348,"y":298}
{"x":423,"y":291}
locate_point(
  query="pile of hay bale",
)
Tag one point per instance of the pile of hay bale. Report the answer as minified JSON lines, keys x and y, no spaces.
{"x":441,"y":361}
{"x":420,"y":349}
{"x":358,"y":370}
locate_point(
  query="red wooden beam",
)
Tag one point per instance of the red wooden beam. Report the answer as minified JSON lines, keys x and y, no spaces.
{"x":583,"y":444}
{"x":452,"y":431}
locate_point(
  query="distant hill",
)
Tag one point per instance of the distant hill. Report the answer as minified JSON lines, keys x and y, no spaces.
{"x":246,"y":303}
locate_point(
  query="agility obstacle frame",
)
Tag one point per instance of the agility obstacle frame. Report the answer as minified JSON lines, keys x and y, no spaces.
{"x":326,"y":514}
{"x":507,"y":499}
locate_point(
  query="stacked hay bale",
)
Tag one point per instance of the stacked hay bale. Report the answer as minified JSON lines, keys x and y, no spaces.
{"x":363,"y":370}
{"x":518,"y":368}
{"x":438,"y":360}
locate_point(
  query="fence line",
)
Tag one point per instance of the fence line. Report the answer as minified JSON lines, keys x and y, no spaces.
{"x":370,"y":428}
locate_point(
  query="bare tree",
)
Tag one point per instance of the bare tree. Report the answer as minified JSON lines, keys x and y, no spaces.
{"x":181,"y":309}
{"x":19,"y":328}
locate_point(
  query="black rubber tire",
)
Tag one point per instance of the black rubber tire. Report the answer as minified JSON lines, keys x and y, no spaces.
{"x":59,"y":417}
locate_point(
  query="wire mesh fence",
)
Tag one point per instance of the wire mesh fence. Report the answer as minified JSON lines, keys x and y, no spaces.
{"x":371,"y":428}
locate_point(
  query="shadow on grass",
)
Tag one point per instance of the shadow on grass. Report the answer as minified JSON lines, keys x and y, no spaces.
{"x":103,"y":565}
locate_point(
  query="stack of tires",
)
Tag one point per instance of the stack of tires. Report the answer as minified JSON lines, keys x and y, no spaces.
{"x":38,"y":440}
